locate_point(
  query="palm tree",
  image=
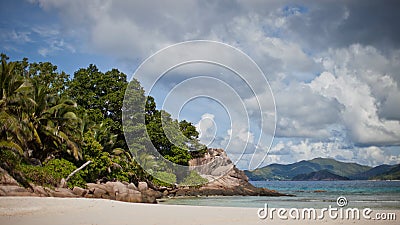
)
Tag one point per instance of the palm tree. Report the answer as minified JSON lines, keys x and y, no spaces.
{"x":34,"y":122}
{"x":13,"y":100}
{"x":53,"y":121}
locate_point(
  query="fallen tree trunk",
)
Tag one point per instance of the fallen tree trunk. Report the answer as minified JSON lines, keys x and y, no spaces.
{"x":63,"y":182}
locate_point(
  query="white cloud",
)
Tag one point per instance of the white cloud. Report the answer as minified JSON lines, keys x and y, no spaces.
{"x":45,"y":31}
{"x":43,"y":52}
{"x":207,"y":129}
{"x":361,"y":88}
{"x":55,"y":45}
{"x":290,"y":152}
{"x":15,"y":36}
{"x":303,"y":113}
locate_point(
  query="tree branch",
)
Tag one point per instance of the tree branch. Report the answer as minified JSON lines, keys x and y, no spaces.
{"x":77,"y":170}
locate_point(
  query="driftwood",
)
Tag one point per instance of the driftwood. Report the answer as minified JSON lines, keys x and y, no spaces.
{"x":77,"y":170}
{"x":63,"y":182}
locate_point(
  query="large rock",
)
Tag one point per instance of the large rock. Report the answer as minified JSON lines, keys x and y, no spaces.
{"x":119,"y":188}
{"x":62,"y":193}
{"x":12,"y":189}
{"x":219,"y":170}
{"x":132,"y":186}
{"x":21,"y":194}
{"x":79,"y":191}
{"x":110,"y":187}
{"x":6,"y":179}
{"x":142,"y":186}
{"x":121,"y":191}
{"x":41,"y":191}
{"x":215,"y":162}
{"x":126,"y":192}
{"x":151,"y":195}
{"x":92,"y":186}
{"x":129,"y":196}
{"x":223,"y":176}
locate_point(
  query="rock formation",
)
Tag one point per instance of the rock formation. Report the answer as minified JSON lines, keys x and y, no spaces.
{"x":223,"y":176}
{"x":111,"y":190}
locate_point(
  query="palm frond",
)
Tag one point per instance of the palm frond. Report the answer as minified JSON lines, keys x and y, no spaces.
{"x":11,"y":146}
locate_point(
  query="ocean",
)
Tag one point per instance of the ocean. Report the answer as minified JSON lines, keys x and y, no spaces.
{"x":317,"y":194}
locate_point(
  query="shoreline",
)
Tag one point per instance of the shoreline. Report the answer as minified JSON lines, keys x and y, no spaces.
{"x":51,"y":210}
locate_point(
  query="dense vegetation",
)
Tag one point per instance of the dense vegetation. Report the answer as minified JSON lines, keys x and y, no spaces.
{"x":319,"y":175}
{"x":51,"y":124}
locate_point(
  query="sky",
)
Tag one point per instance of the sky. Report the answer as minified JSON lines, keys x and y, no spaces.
{"x":331,"y":68}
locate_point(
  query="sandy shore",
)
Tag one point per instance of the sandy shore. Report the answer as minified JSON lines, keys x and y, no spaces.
{"x":36,"y":210}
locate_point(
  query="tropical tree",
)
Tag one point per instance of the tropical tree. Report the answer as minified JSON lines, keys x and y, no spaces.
{"x":14,"y":99}
{"x":35,"y":120}
{"x":100,"y":96}
{"x":53,"y":121}
{"x":176,"y":141}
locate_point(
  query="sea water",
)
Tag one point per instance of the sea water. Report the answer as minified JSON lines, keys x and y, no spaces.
{"x":317,"y":194}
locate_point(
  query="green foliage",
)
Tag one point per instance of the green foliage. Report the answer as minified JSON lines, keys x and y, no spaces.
{"x":14,"y":98}
{"x":62,"y":168}
{"x":100,"y":96}
{"x":34,"y":116}
{"x":188,"y":129}
{"x":193,"y":179}
{"x":115,"y":165}
{"x":51,"y":173}
{"x":9,"y":157}
{"x":164,"y":179}
{"x":135,"y":129}
{"x":45,"y":74}
{"x":39,"y":175}
{"x":175,"y":141}
{"x":101,"y":161}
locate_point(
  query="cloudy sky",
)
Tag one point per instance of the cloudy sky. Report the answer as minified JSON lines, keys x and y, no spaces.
{"x":333,"y":67}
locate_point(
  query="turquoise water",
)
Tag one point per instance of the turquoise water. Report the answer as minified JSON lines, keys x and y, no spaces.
{"x":361,"y":194}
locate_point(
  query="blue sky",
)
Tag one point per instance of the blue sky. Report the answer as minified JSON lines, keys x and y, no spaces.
{"x":333,"y":66}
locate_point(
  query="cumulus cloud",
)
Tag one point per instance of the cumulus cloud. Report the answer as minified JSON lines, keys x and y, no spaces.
{"x":303,"y":113}
{"x":293,"y":151}
{"x":207,"y":129}
{"x":362,"y":86}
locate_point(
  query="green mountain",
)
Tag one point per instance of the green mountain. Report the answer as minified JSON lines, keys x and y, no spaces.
{"x":289,"y":171}
{"x":319,"y":175}
{"x":370,"y":174}
{"x":392,"y":174}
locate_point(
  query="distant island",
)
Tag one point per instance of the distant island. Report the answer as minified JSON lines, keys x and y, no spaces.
{"x":319,"y":175}
{"x":324,"y":169}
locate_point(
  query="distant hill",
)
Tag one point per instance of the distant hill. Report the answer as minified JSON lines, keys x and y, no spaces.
{"x":369,"y":174}
{"x":289,"y":171}
{"x":392,"y":174}
{"x":319,"y":175}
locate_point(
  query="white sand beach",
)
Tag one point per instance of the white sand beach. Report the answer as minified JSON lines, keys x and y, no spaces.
{"x":37,"y":210}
